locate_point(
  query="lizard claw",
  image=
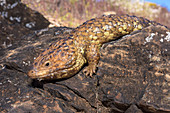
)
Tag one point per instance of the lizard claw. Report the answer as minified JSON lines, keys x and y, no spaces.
{"x":89,"y":70}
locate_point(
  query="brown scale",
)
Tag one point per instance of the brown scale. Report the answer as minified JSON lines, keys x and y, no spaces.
{"x":66,"y":57}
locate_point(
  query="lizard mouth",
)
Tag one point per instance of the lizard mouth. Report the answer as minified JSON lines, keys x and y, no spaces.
{"x":34,"y":74}
{"x":47,"y":74}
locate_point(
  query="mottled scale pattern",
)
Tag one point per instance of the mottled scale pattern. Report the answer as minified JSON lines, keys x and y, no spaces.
{"x":66,"y":57}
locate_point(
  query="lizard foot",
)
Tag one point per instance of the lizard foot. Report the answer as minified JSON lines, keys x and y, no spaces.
{"x":89,"y":70}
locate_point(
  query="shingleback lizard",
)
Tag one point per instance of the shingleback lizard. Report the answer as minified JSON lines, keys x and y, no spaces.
{"x":66,"y":57}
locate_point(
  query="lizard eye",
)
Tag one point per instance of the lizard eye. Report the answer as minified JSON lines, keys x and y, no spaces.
{"x":47,"y":63}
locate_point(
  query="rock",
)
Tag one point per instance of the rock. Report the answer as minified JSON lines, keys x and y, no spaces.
{"x":17,"y":21}
{"x":17,"y":12}
{"x":17,"y":93}
{"x":136,"y":68}
{"x":132,"y":75}
{"x":133,"y":109}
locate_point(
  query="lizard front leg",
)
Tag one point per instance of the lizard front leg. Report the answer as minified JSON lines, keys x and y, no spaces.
{"x":92,"y":55}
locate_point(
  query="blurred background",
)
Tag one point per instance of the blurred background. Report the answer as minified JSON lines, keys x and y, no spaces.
{"x":72,"y":13}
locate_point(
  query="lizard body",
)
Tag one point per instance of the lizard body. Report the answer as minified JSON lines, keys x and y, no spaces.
{"x":66,"y":57}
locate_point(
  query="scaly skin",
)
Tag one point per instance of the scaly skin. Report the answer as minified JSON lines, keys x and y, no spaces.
{"x":66,"y":57}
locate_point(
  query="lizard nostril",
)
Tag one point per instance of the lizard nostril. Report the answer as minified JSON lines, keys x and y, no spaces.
{"x":30,"y":73}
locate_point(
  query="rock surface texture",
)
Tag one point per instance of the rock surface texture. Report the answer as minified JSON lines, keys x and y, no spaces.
{"x":133,"y":73}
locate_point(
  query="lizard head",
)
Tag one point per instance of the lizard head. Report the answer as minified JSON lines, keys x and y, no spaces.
{"x":60,"y":60}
